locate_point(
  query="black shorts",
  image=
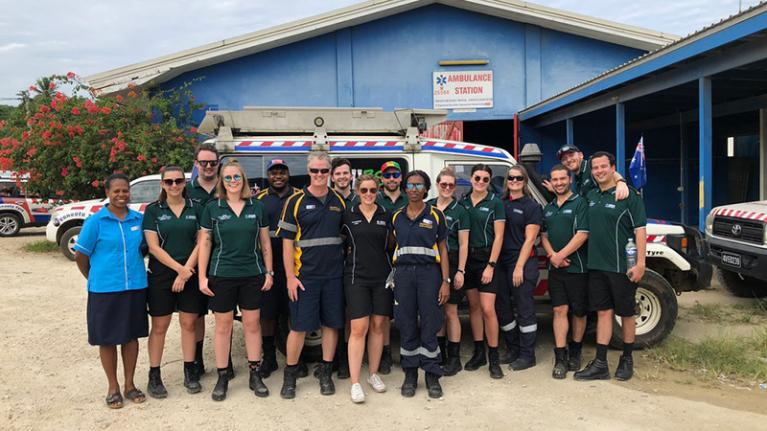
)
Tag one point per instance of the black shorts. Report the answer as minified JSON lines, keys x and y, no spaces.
{"x":274,"y":302}
{"x":475,"y":265}
{"x":612,"y":290}
{"x":116,"y":317}
{"x":233,"y":292}
{"x":569,"y":289}
{"x":455,"y":294}
{"x":162,"y":301}
{"x":364,"y":298}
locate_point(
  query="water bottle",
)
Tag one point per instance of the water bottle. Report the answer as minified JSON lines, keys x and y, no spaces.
{"x":631,"y":254}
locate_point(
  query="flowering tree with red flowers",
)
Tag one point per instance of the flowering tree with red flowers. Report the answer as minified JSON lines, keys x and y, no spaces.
{"x":69,"y":144}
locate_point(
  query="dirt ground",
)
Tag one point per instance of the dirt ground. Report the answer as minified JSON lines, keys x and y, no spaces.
{"x":51,"y":380}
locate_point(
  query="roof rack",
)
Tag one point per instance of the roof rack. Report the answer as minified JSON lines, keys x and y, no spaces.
{"x":320,"y":123}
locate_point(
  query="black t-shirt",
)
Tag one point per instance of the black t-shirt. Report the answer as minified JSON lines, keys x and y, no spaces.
{"x":519,"y":213}
{"x":367,"y":258}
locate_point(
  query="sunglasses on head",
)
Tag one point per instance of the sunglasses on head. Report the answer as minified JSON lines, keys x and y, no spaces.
{"x":416,"y":186}
{"x":365,"y":190}
{"x":388,"y":175}
{"x":230,"y":178}
{"x":322,"y":171}
{"x":448,"y":186}
{"x":208,"y":163}
{"x":171,"y":181}
{"x":477,"y":178}
{"x":519,"y":178}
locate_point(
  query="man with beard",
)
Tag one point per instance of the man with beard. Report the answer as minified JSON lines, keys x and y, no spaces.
{"x":572,"y":159}
{"x":341,"y":177}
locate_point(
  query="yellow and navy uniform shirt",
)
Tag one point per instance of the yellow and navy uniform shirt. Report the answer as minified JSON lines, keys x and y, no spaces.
{"x":273,"y":204}
{"x":236,"y":247}
{"x":315,"y":226}
{"x":177,"y":235}
{"x":417,"y":239}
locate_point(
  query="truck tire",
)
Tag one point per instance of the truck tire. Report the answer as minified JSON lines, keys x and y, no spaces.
{"x":742,"y":286}
{"x":68,"y":240}
{"x":10,"y":224}
{"x":312,"y":351}
{"x":656,"y":312}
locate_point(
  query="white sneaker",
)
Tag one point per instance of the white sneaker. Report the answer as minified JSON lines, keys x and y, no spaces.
{"x":376,"y":383}
{"x":358,"y":395}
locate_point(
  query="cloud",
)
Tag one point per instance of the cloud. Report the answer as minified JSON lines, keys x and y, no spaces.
{"x":11,"y":46}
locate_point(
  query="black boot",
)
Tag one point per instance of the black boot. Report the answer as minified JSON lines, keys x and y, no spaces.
{"x":326,"y":378}
{"x":574,"y":357}
{"x":433,"y":386}
{"x":386,"y":361}
{"x":479,"y":358}
{"x":269,"y":363}
{"x":198,"y":359}
{"x":512,"y":347}
{"x":495,"y":363}
{"x":222,"y":385}
{"x":625,"y":368}
{"x":560,"y":363}
{"x":522,"y":364}
{"x":230,"y":367}
{"x":595,"y":370}
{"x":256,"y":384}
{"x":288,"y":390}
{"x":302,"y":370}
{"x":155,"y":387}
{"x":411,"y":382}
{"x":442,"y":342}
{"x":342,"y":356}
{"x":453,"y":365}
{"x":191,"y":378}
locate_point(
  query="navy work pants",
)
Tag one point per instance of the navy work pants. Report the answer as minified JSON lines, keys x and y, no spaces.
{"x":515,"y":308}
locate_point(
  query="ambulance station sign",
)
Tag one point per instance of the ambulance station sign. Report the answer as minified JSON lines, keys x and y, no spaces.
{"x":465,"y":89}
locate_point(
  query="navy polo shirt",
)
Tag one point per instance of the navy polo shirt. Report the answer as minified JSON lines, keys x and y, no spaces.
{"x":367,"y":243}
{"x":519,"y":213}
{"x":417,"y":239}
{"x":113,"y":246}
{"x":273,"y":204}
{"x":315,"y":226}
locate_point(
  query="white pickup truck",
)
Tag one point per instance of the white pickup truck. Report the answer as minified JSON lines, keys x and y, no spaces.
{"x":737,"y":244}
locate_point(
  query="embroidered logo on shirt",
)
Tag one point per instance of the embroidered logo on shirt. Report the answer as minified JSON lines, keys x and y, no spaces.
{"x":567,"y":212}
{"x":518,"y":211}
{"x":250,"y":216}
{"x":485,"y":209}
{"x":191,"y":217}
{"x":356,"y":222}
{"x":427,"y":221}
{"x":164,"y":217}
{"x":448,"y":218}
{"x":311,"y":207}
{"x":549,"y":214}
{"x":611,"y":206}
{"x":224,"y":217}
{"x":335,"y":208}
{"x":135,"y":228}
{"x":381,"y":222}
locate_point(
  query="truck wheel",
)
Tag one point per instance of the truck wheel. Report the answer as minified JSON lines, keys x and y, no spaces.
{"x":656,"y":312}
{"x":312,"y":351}
{"x":68,"y":240}
{"x":742,"y":286}
{"x":10,"y":224}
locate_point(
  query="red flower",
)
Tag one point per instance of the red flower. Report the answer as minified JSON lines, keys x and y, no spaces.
{"x":106,"y":111}
{"x":103,"y":132}
{"x":77,"y":161}
{"x":31,"y":152}
{"x":140,"y":158}
{"x":59,"y":192}
{"x":71,"y":75}
{"x":51,"y":85}
{"x":24,"y":135}
{"x":95,"y":184}
{"x":44,"y":109}
{"x":119,"y":98}
{"x":113,"y":155}
{"x":54,"y":105}
{"x":75,"y":111}
{"x":47,"y":134}
{"x":64,"y":172}
{"x":154,"y":160}
{"x":33,"y":88}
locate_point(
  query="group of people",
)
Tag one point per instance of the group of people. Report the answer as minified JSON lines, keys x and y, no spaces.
{"x":347,"y":258}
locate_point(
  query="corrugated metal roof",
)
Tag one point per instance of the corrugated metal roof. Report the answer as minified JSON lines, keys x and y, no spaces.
{"x":695,"y":36}
{"x":164,"y":68}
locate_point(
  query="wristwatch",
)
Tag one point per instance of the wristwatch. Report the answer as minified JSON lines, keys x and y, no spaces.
{"x":447,"y":280}
{"x":461,"y":271}
{"x":491,"y":264}
{"x":270,"y":273}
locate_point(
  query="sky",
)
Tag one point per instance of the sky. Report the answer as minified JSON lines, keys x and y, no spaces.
{"x":44,"y":37}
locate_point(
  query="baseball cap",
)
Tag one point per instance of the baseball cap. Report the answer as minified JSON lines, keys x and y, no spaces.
{"x":390,"y":164}
{"x":567,"y":148}
{"x":276,"y":163}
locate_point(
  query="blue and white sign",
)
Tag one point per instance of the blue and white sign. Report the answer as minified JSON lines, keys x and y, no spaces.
{"x":463,"y":89}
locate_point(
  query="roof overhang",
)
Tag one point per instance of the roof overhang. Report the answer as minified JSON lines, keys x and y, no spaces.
{"x":162,"y":69}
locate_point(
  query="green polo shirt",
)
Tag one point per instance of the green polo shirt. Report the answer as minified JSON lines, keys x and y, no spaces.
{"x":177,"y":235}
{"x":611,"y":224}
{"x":584,"y":181}
{"x":482,"y":218}
{"x":391,"y":206}
{"x":236,"y":247}
{"x":351,"y":200}
{"x":457,"y":219}
{"x":561,"y":223}
{"x":198,"y":194}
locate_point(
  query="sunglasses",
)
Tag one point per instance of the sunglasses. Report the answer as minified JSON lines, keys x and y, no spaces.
{"x":447,"y":186}
{"x":388,"y":175}
{"x":208,"y":163}
{"x":365,"y":190}
{"x":170,"y":181}
{"x":477,"y":179}
{"x":416,"y":186}
{"x":235,"y":177}
{"x":519,"y":178}
{"x":316,"y":171}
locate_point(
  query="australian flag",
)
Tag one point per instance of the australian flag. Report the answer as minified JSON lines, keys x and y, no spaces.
{"x":638,"y":166}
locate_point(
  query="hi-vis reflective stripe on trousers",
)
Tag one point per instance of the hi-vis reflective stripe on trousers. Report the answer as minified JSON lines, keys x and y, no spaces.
{"x":306,"y":243}
{"x":423,"y":251}
{"x":528,"y":329}
{"x":511,"y":325}
{"x":419,"y":351}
